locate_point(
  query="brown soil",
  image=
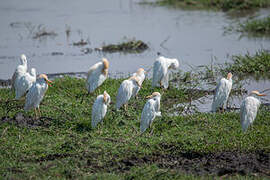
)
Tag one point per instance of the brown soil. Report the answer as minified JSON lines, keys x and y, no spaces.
{"x":21,"y":120}
{"x":222,"y":163}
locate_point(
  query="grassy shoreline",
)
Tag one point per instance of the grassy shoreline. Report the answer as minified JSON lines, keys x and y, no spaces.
{"x":62,"y":144}
{"x":225,"y":5}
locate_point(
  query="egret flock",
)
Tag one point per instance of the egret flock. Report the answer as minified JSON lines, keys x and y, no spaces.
{"x":25,"y":83}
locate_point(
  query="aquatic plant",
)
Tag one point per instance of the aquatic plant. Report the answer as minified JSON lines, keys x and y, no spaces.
{"x":225,"y":5}
{"x":131,"y":46}
{"x":256,"y":26}
{"x":257,"y":64}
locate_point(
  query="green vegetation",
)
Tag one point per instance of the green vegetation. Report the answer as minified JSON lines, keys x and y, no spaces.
{"x":131,"y":46}
{"x":225,"y":5}
{"x":257,"y":65}
{"x":257,"y":26}
{"x":62,"y":143}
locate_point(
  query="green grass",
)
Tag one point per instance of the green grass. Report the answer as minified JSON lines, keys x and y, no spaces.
{"x":257,"y":65}
{"x":257,"y":26}
{"x":65,"y":146}
{"x":225,"y":5}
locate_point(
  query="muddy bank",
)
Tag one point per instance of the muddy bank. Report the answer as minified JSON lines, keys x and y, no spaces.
{"x":27,"y":121}
{"x":221,"y":163}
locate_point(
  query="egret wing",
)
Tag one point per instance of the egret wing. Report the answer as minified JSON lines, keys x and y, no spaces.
{"x":148,"y":115}
{"x":158,"y":74}
{"x":243,"y":116}
{"x":32,"y":97}
{"x":97,"y":111}
{"x":124,"y":93}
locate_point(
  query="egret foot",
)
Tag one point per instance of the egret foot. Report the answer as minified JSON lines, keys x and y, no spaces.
{"x":126,"y":107}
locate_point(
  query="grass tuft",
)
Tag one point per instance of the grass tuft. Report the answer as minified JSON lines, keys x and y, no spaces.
{"x":225,"y":5}
{"x":257,"y":26}
{"x":257,"y":65}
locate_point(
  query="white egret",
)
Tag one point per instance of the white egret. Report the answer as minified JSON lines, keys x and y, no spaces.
{"x":161,"y":73}
{"x":36,"y":93}
{"x":126,"y":91}
{"x":24,"y":83}
{"x":249,"y":109}
{"x":222,"y":93}
{"x":96,"y":75}
{"x":150,"y":111}
{"x":19,"y":71}
{"x":140,"y":74}
{"x":99,"y":108}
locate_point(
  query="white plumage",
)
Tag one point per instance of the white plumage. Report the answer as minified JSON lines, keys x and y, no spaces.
{"x":249,"y":109}
{"x":24,"y":83}
{"x":97,"y":74}
{"x":126,"y":91}
{"x":222,"y":93}
{"x":161,"y":73}
{"x":140,"y":74}
{"x":99,"y":108}
{"x":36,"y":93}
{"x":19,"y":71}
{"x":150,"y":111}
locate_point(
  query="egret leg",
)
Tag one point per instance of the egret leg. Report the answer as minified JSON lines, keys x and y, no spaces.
{"x":39,"y":112}
{"x":152,"y":129}
{"x":160,"y":84}
{"x":36,"y":113}
{"x":126,"y":107}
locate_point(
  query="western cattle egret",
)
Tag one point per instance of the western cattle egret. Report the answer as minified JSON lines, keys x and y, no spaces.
{"x":249,"y":109}
{"x":222,"y":93}
{"x":140,"y":74}
{"x":20,"y":70}
{"x":36,"y":93}
{"x":161,"y":73}
{"x":126,"y":91}
{"x":99,"y":108}
{"x":24,"y":83}
{"x":97,"y":74}
{"x":150,"y":111}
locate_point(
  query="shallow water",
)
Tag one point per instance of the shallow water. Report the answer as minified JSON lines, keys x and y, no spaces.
{"x":204,"y":103}
{"x":194,"y":37}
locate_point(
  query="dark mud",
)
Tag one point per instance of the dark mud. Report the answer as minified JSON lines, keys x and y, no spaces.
{"x":27,"y":121}
{"x":220,"y":164}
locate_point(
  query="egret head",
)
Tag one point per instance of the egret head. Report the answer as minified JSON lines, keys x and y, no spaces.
{"x":45,"y":77}
{"x":106,"y":98}
{"x":229,"y":76}
{"x":174,"y":64}
{"x":23,"y":59}
{"x":154,"y":95}
{"x":141,"y":71}
{"x":257,"y":93}
{"x":105,"y":66}
{"x":33,"y":72}
{"x":134,"y":78}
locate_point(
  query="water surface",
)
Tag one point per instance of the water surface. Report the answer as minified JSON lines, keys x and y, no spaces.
{"x":194,"y":37}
